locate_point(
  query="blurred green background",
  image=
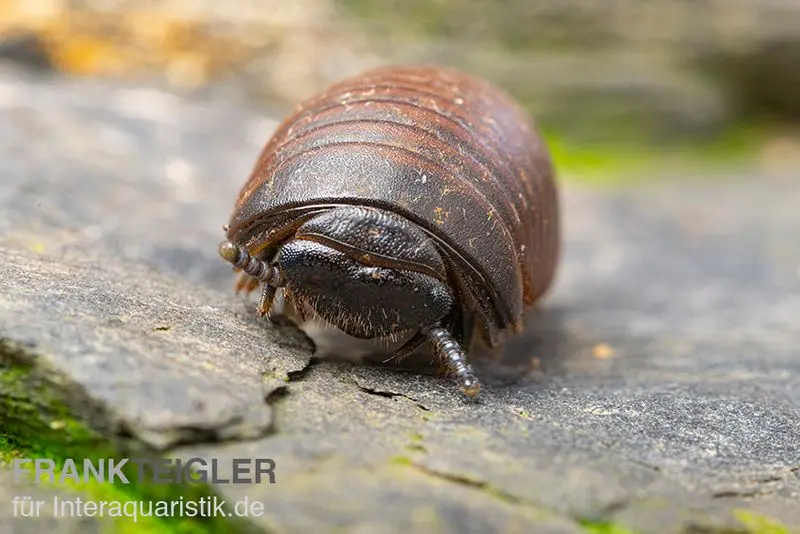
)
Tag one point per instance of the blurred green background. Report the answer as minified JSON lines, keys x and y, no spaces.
{"x":623,"y":89}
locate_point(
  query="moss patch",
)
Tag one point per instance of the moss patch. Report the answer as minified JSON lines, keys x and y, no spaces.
{"x":757,"y":524}
{"x":628,"y":164}
{"x":38,"y":424}
{"x":594,"y":527}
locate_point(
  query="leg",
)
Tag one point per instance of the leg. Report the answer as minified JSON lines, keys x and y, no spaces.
{"x":246,"y":283}
{"x":463,"y":328}
{"x":265,"y":303}
{"x":407,"y":348}
{"x":297,"y":307}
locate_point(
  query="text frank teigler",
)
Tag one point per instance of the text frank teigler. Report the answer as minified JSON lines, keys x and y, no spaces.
{"x":141,"y":470}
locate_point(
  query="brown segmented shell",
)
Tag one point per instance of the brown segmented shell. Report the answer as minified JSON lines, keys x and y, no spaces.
{"x":447,"y":150}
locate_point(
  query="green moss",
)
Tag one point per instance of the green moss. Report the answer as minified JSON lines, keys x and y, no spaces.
{"x":401,"y":460}
{"x":608,"y":139}
{"x":625,"y":164}
{"x":38,"y":424}
{"x":754,"y":524}
{"x":599,"y":527}
{"x":275,"y":375}
{"x":757,"y":524}
{"x":35,"y":420}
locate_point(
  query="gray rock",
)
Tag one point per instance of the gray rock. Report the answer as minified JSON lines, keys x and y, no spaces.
{"x":759,"y":78}
{"x":44,"y":517}
{"x":656,"y":387}
{"x":98,"y":196}
{"x":699,"y":65}
{"x":164,"y":361}
{"x":693,"y":416}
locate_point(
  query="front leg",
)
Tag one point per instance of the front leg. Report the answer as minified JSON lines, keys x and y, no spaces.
{"x":245,"y":282}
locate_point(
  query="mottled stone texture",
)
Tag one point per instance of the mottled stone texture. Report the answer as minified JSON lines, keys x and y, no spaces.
{"x":12,"y":520}
{"x":657,"y":386}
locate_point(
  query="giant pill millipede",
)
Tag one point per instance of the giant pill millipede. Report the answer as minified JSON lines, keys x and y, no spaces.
{"x":409,"y":202}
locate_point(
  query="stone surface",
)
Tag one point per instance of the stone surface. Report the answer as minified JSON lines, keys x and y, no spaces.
{"x":85,"y":242}
{"x":13,"y":522}
{"x":666,"y":69}
{"x":658,"y":386}
{"x":665,"y":393}
{"x":164,"y":369}
{"x":697,"y":64}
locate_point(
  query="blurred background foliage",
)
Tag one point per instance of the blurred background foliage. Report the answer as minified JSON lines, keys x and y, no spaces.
{"x":621,"y":88}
